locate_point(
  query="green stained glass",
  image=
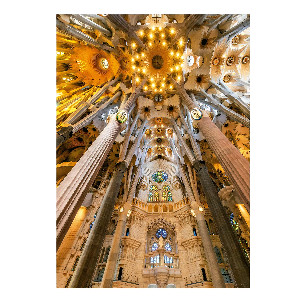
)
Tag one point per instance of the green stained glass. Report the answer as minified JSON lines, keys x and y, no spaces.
{"x":166,"y":194}
{"x":160,"y":176}
{"x":153,"y":194}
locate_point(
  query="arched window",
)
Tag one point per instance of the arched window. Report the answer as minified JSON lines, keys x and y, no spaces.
{"x":226,"y":276}
{"x":154,"y":247}
{"x":168,"y":247}
{"x":106,"y":254}
{"x":219,"y":255}
{"x":153,"y":194}
{"x":99,"y":275}
{"x":204,"y":274}
{"x":166,"y":194}
{"x":127,"y":232}
{"x":194,"y":231}
{"x":120,"y":273}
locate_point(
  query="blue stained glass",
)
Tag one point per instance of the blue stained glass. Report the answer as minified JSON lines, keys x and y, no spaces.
{"x":160,"y":176}
{"x":161,"y":232}
{"x":154,"y":247}
{"x":168,"y":247}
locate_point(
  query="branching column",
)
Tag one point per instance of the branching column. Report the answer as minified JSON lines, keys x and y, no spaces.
{"x":88,"y":119}
{"x":89,"y":257}
{"x":238,"y":262}
{"x":236,"y":166}
{"x":75,"y":116}
{"x":119,"y":22}
{"x":232,"y":96}
{"x":88,"y":22}
{"x":229,"y":34}
{"x":187,"y":26}
{"x":77,"y":34}
{"x":213,"y":266}
{"x":232,"y":115}
{"x":73,"y":189}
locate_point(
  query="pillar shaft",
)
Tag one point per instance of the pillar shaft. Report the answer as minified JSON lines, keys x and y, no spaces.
{"x":235,"y":165}
{"x":229,"y":34}
{"x":213,"y":266}
{"x":108,"y":277}
{"x":89,"y":257}
{"x":217,"y":22}
{"x":196,"y":148}
{"x":75,"y":116}
{"x":238,"y":262}
{"x":73,"y":189}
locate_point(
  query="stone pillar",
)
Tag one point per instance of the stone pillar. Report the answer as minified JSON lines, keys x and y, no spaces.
{"x":187,"y":25}
{"x":217,"y":22}
{"x":88,"y":119}
{"x":89,"y":257}
{"x":235,"y":165}
{"x":238,"y":262}
{"x":127,"y":138}
{"x":72,"y":190}
{"x":232,"y":115}
{"x":92,"y":24}
{"x":228,"y":199}
{"x":77,"y":34}
{"x":108,"y":277}
{"x":229,"y":34}
{"x":217,"y":278}
{"x":112,"y":260}
{"x":196,"y":148}
{"x":122,"y":24}
{"x":184,"y":145}
{"x":75,"y":116}
{"x":232,"y":96}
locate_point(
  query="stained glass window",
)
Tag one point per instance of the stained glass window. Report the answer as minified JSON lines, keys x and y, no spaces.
{"x":153,"y":194}
{"x":154,"y":247}
{"x":166,"y":194}
{"x":234,"y":224}
{"x":168,"y":247}
{"x":161,"y":232}
{"x":218,"y":254}
{"x":160,"y":176}
{"x":154,"y":260}
{"x":226,"y":276}
{"x":168,"y":260}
